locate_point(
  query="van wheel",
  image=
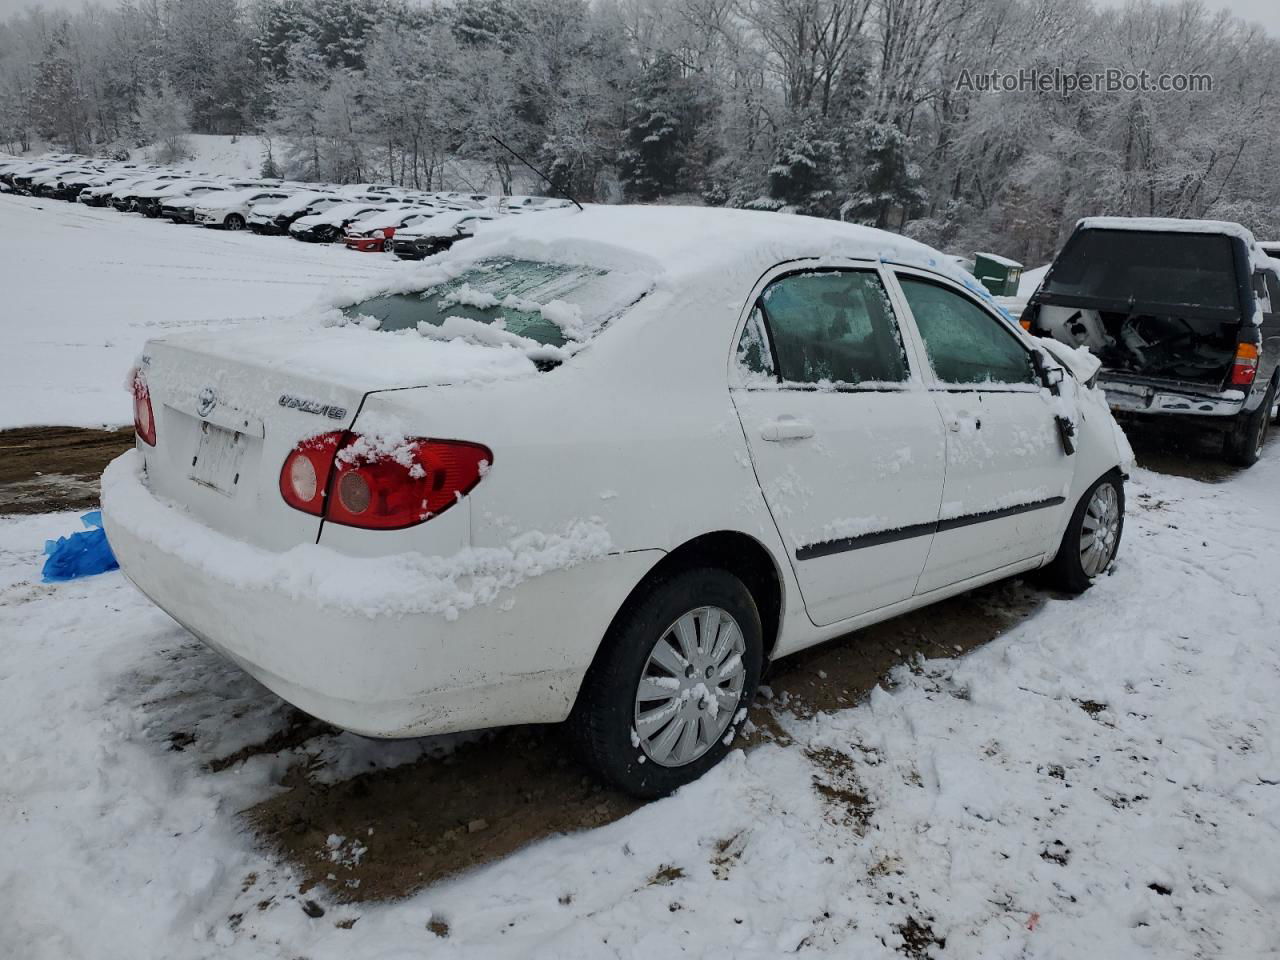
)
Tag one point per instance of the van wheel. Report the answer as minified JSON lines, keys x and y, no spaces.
{"x":1091,"y":539}
{"x":667,"y":693}
{"x":1242,"y":445}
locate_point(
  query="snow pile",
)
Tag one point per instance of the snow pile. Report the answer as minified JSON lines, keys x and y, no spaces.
{"x":406,"y":583}
{"x":1029,"y":282}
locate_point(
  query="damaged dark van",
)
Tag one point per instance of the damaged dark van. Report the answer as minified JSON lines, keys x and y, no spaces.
{"x":1183,"y":314}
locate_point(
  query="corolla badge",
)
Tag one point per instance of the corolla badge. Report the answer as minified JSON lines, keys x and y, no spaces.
{"x":206,"y":402}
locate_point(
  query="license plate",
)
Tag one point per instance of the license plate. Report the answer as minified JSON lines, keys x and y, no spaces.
{"x":217,"y":461}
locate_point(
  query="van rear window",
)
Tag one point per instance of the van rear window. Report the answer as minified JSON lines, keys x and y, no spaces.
{"x":1147,"y":267}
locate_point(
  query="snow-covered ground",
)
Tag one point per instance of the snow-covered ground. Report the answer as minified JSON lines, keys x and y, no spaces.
{"x":216,"y":154}
{"x":1102,"y":781}
{"x":83,"y":288}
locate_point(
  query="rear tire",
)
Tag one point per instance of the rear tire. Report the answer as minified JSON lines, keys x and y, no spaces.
{"x":1244,"y":441}
{"x":707,"y":695}
{"x":1075,"y":568}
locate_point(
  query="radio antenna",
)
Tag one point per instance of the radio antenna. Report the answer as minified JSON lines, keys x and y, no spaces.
{"x":562,"y":194}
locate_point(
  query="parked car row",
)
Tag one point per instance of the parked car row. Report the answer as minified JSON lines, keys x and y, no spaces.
{"x":368,"y":216}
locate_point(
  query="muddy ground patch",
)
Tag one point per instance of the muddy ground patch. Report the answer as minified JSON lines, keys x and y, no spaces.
{"x":405,"y":828}
{"x":46,"y":469}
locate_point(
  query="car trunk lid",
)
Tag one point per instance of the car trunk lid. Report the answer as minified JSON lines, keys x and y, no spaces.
{"x":230,"y":406}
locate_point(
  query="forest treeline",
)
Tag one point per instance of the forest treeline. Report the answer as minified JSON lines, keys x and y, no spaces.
{"x":859,"y":109}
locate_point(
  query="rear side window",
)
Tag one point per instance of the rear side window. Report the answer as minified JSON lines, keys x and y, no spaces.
{"x":965,"y":344}
{"x":832,"y":326}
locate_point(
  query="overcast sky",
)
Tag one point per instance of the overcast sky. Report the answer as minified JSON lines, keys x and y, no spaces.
{"x":1266,"y":12}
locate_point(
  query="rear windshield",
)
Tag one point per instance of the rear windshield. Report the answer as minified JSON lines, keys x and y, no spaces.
{"x":1147,"y":267}
{"x":550,"y":304}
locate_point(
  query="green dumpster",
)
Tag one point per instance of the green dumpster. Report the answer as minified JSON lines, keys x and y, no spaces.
{"x":998,"y":274}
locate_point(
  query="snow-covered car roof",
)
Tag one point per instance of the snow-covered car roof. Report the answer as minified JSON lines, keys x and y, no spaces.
{"x":442,"y":224}
{"x":299,"y":201}
{"x":232,"y":198}
{"x":339,"y":213}
{"x":684,"y":241}
{"x":392,"y":216}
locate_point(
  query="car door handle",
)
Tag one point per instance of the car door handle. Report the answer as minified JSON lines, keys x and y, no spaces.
{"x":956,"y":423}
{"x":786,"y":428}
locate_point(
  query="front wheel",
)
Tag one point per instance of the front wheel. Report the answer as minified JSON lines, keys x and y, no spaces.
{"x":234,"y":222}
{"x":1091,"y":539}
{"x":669,"y":689}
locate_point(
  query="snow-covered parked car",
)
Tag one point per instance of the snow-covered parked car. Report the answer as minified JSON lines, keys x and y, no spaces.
{"x":125,"y":198}
{"x":374,"y":233}
{"x":230,"y":209}
{"x":99,"y":195}
{"x":603,"y":466}
{"x":1184,"y":316}
{"x":328,"y":225}
{"x":436,"y":232}
{"x":275,"y":218}
{"x":150,"y":202}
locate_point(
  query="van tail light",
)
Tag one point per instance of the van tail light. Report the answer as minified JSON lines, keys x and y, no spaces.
{"x":305,"y":473}
{"x":347,"y":480}
{"x":144,"y":416}
{"x":1245,"y":366}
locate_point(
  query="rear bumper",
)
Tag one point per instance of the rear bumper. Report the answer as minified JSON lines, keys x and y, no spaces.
{"x":1170,"y":400}
{"x":517,"y":657}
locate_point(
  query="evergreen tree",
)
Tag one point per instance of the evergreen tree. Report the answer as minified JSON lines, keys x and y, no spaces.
{"x":889,"y":189}
{"x":652,"y":162}
{"x":806,"y":172}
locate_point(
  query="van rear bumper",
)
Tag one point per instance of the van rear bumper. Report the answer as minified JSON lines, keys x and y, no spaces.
{"x":1125,"y":397}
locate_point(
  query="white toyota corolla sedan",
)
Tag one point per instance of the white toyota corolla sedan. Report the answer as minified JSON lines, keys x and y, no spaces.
{"x":602,"y":466}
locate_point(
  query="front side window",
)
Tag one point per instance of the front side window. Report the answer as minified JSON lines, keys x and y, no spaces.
{"x":965,"y":344}
{"x":829,"y":326}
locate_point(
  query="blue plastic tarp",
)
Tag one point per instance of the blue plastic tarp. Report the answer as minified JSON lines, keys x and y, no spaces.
{"x":81,"y":554}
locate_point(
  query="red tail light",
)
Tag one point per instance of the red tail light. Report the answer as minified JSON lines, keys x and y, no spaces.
{"x":380,"y":489}
{"x":144,"y":417}
{"x":305,"y":473}
{"x":1245,"y":366}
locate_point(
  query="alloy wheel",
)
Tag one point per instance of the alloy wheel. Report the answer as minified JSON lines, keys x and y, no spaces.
{"x":690,"y":687}
{"x":1099,"y":530}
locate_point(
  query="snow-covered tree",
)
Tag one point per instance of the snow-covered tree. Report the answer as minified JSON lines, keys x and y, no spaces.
{"x":889,"y":190}
{"x":806,"y":173}
{"x":163,"y":122}
{"x":654,"y":156}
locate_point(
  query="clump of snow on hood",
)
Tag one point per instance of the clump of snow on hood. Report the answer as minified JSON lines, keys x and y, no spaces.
{"x":406,"y":583}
